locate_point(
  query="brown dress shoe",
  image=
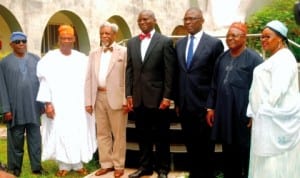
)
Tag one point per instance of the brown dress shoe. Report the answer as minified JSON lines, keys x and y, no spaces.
{"x":82,"y":172}
{"x":61,"y":173}
{"x":103,"y":171}
{"x":118,"y":173}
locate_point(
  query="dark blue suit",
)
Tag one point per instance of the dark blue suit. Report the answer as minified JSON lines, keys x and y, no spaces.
{"x":148,"y":82}
{"x":193,"y":87}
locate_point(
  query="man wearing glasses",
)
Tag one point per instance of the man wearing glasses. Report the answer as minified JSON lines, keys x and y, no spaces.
{"x":196,"y":54}
{"x":228,"y":101}
{"x":19,"y":85}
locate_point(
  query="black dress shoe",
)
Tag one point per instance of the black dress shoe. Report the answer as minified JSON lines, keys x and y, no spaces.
{"x":162,"y":175}
{"x":40,"y":172}
{"x":140,"y":172}
{"x":17,"y":172}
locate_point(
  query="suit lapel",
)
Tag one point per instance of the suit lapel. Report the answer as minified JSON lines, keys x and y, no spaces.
{"x":97,"y":62}
{"x":114,"y":57}
{"x":137,"y":49}
{"x":200,"y":50}
{"x":153,"y":42}
{"x":181,"y":53}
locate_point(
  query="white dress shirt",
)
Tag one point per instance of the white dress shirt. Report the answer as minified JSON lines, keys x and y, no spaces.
{"x":145,"y":44}
{"x":103,"y":69}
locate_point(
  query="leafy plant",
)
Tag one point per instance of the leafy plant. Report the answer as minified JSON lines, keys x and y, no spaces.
{"x":281,"y":10}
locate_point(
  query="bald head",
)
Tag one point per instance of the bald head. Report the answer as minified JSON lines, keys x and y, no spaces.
{"x":146,"y":21}
{"x":148,"y":13}
{"x":193,"y":20}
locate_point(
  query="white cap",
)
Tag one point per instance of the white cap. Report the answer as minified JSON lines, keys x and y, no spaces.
{"x":279,"y":27}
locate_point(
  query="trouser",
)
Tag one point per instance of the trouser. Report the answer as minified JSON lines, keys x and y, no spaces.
{"x":68,"y":167}
{"x":15,"y":142}
{"x":111,"y":133}
{"x":153,"y":129}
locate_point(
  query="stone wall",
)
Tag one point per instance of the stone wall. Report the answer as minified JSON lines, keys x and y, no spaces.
{"x":32,"y":17}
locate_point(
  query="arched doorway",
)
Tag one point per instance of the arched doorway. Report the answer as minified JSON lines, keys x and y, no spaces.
{"x":50,"y":36}
{"x":8,"y":24}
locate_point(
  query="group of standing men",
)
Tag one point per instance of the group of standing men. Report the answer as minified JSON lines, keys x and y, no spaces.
{"x":142,"y":79}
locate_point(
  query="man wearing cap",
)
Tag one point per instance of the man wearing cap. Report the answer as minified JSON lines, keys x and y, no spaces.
{"x":274,"y":105}
{"x":68,"y":131}
{"x":19,"y":85}
{"x":228,"y":99}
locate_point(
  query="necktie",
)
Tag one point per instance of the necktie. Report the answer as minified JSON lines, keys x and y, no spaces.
{"x":105,"y":49}
{"x":143,"y":36}
{"x":190,"y":52}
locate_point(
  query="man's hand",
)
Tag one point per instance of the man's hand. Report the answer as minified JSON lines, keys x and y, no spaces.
{"x":49,"y":110}
{"x":164,"y":104}
{"x":210,"y":117}
{"x":7,"y":116}
{"x":89,"y":109}
{"x":125,"y":109}
{"x":249,"y":123}
{"x":129,"y":104}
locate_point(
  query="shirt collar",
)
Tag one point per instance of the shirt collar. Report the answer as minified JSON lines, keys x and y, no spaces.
{"x":198,"y":35}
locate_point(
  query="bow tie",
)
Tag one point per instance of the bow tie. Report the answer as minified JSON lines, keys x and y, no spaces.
{"x":143,"y":36}
{"x":105,"y":49}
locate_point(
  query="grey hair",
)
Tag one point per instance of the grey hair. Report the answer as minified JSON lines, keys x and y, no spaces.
{"x":113,"y":26}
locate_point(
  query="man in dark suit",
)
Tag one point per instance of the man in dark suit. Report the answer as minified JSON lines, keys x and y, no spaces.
{"x":151,"y":63}
{"x":196,"y":55}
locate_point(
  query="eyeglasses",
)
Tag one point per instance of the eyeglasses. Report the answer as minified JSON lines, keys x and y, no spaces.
{"x":190,"y":18}
{"x":235,"y":36}
{"x":19,"y":41}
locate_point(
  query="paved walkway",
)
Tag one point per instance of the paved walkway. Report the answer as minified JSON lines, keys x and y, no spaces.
{"x":173,"y":174}
{"x":2,"y":132}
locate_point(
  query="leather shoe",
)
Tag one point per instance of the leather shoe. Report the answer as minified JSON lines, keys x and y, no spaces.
{"x":103,"y":171}
{"x":40,"y":172}
{"x":140,"y":172}
{"x":82,"y":171}
{"x":17,"y":172}
{"x":162,"y":175}
{"x":118,"y":173}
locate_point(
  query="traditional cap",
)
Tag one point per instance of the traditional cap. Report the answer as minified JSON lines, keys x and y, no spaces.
{"x":278,"y":27}
{"x":240,"y":26}
{"x":65,"y":29}
{"x":17,"y":36}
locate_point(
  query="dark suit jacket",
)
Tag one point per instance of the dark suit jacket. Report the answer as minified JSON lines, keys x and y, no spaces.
{"x":151,"y":80}
{"x":194,"y":83}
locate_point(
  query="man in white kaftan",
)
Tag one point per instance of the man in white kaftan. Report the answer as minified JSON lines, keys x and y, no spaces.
{"x":68,"y":131}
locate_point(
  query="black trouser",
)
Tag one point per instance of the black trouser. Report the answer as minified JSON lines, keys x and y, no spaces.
{"x":15,"y":146}
{"x":153,"y":130}
{"x":197,"y":140}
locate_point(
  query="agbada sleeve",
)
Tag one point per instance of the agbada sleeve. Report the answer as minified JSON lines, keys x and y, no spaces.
{"x":44,"y":93}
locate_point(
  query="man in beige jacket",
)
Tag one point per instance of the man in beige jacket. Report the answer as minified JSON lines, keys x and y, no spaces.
{"x":105,"y":96}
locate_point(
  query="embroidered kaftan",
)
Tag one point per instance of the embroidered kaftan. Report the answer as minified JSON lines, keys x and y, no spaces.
{"x":274,"y":105}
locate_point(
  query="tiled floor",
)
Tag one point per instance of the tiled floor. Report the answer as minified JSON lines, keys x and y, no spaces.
{"x":128,"y":171}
